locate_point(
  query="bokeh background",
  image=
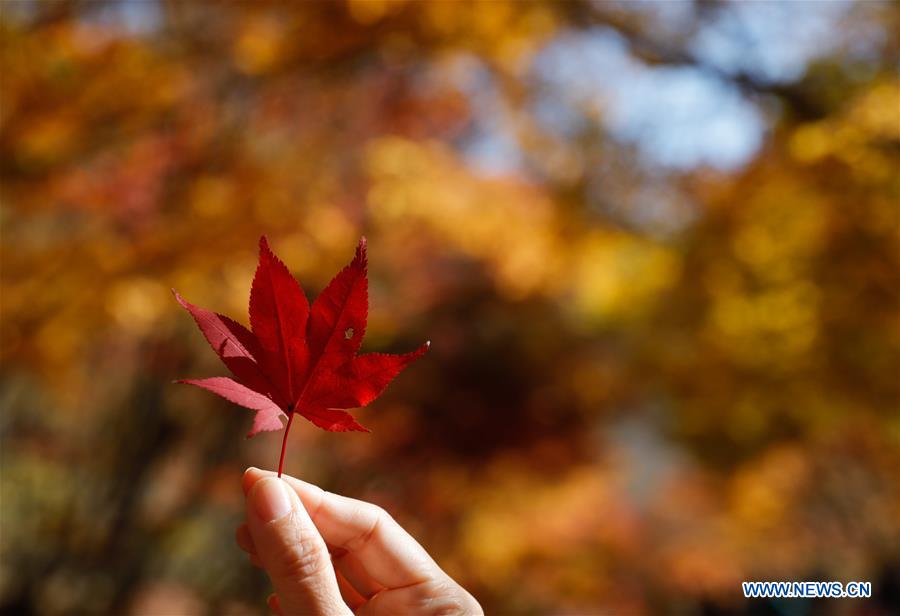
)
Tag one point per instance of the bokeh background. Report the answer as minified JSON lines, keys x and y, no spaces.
{"x":655,"y":245}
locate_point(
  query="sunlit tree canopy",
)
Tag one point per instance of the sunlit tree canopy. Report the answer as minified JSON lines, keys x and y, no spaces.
{"x":655,"y":245}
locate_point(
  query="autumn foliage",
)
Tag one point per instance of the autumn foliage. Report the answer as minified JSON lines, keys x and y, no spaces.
{"x":299,"y":359}
{"x":655,"y":246}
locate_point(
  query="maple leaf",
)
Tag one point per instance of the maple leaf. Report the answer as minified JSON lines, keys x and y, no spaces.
{"x":297,"y":359}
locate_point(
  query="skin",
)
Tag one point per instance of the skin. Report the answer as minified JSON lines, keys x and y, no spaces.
{"x":328,"y":554}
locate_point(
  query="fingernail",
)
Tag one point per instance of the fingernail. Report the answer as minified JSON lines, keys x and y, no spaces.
{"x":249,"y":479}
{"x":271,"y":500}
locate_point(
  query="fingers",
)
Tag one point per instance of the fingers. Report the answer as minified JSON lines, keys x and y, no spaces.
{"x":291,"y":550}
{"x":385,"y":552}
{"x":349,"y":592}
{"x":428,"y":598}
{"x":350,"y":595}
{"x":350,"y":572}
{"x":244,"y":540}
{"x":274,"y":605}
{"x":440,"y":596}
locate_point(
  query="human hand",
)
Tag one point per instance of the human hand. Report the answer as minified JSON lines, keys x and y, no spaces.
{"x":328,"y":554}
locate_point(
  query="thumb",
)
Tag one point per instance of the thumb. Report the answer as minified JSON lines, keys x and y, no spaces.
{"x":292,"y":550}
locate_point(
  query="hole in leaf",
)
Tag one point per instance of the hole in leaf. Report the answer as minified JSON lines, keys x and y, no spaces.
{"x":348,"y":333}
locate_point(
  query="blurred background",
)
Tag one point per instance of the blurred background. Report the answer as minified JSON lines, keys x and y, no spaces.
{"x":654,"y":244}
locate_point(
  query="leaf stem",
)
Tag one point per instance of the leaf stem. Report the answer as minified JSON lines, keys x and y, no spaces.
{"x":287,"y":429}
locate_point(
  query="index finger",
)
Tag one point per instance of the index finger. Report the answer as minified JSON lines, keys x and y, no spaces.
{"x":389,"y":555}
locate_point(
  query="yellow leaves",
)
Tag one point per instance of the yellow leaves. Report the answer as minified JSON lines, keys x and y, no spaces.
{"x":763,"y":493}
{"x":514,"y":518}
{"x":810,"y":143}
{"x":736,"y":319}
{"x":507,"y":224}
{"x":235,"y":274}
{"x":764,"y":310}
{"x":703,"y":560}
{"x":328,"y":234}
{"x":615,"y":274}
{"x":772,"y":328}
{"x":877,"y":111}
{"x":57,"y":341}
{"x":783,"y":226}
{"x":513,"y":228}
{"x":258,"y":44}
{"x":507,"y":31}
{"x":47,"y":138}
{"x":137,"y":302}
{"x":211,"y":196}
{"x":368,"y":12}
{"x":858,"y":136}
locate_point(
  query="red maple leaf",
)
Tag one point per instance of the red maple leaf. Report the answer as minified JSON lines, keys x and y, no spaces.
{"x":299,"y":359}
